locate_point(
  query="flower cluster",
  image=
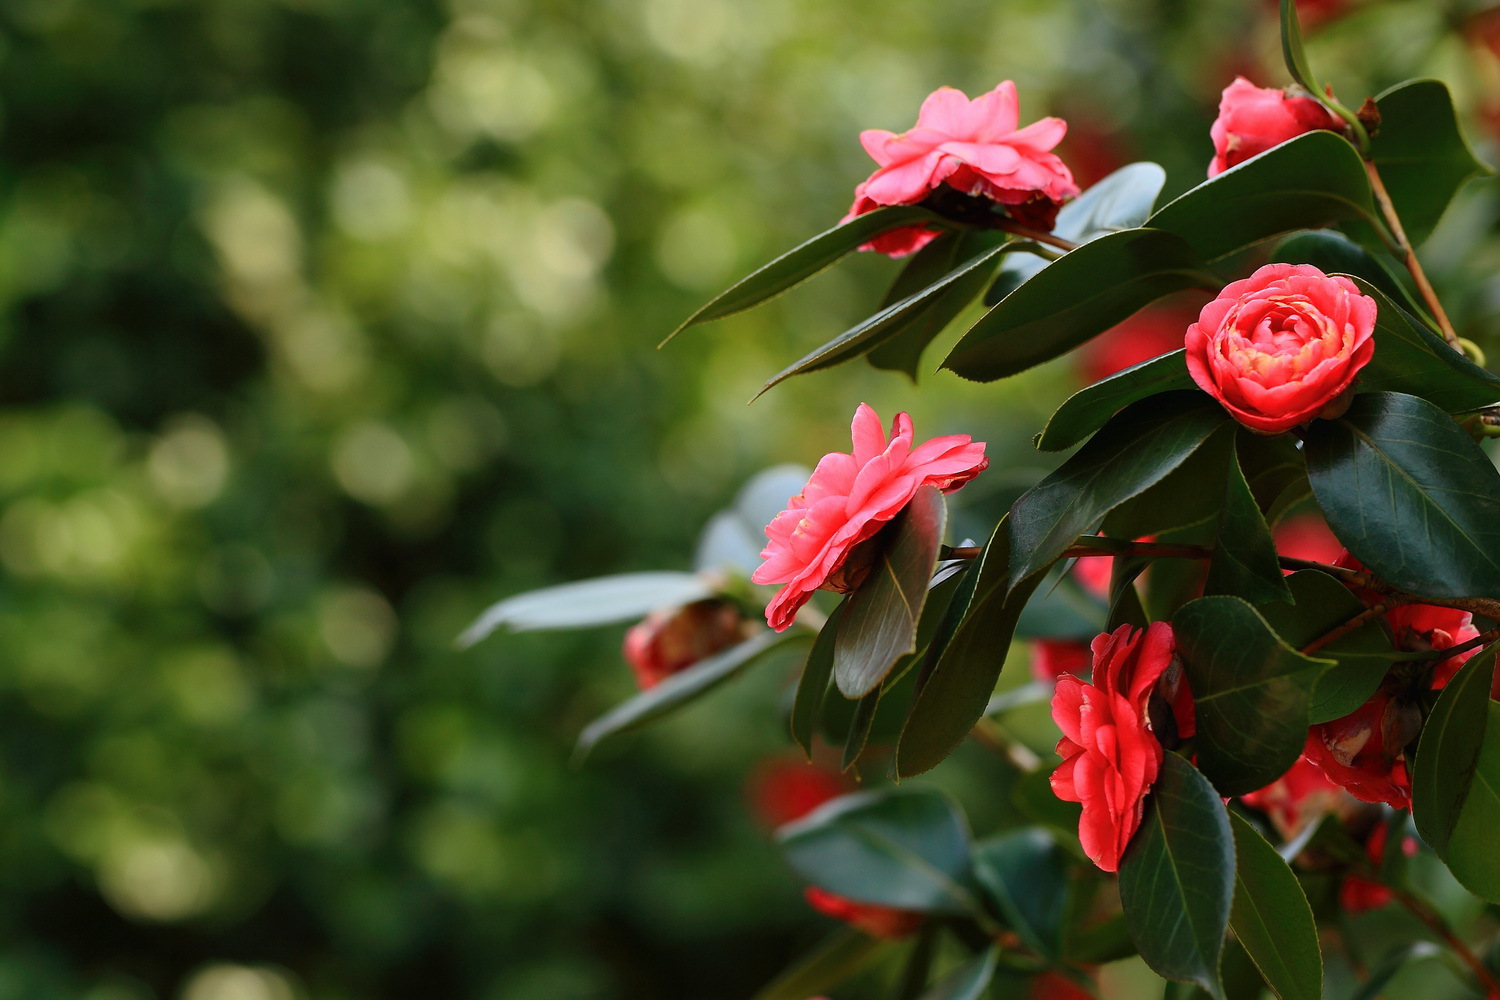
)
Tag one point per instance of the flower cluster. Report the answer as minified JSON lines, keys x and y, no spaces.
{"x":973,"y":148}
{"x":848,"y":499}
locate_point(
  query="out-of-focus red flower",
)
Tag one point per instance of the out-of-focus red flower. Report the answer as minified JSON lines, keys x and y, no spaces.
{"x":1307,"y":536}
{"x":1358,"y":894}
{"x":1053,"y":658}
{"x":782,"y":789}
{"x":1253,"y":119}
{"x":676,"y":638}
{"x":849,"y":498}
{"x":1365,"y":750}
{"x":1150,"y":333}
{"x":876,"y":921}
{"x":972,"y":147}
{"x":1298,"y":799}
{"x":1110,"y":755}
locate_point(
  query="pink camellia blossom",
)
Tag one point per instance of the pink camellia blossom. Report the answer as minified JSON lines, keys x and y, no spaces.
{"x":1253,"y":119}
{"x":1111,"y":756}
{"x":972,"y":147}
{"x":1282,"y":346}
{"x":849,"y":498}
{"x":674,"y":639}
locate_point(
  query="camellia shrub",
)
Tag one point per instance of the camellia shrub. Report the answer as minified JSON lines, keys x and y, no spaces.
{"x":1253,"y":743}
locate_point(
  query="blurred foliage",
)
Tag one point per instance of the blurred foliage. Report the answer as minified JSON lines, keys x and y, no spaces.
{"x":327,"y":322}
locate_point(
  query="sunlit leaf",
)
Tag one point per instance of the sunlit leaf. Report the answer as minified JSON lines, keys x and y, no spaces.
{"x":600,"y":601}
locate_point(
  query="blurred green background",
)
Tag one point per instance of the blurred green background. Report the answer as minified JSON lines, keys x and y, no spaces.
{"x":325,"y":323}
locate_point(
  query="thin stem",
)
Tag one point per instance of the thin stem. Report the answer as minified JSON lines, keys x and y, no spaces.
{"x":1404,"y":249}
{"x":1009,"y":225}
{"x":1369,"y":614}
{"x":1483,"y":639}
{"x":1439,"y":926}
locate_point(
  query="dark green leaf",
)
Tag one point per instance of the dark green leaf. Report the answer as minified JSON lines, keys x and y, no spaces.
{"x":952,"y":292}
{"x":599,"y":601}
{"x":1080,"y":295}
{"x":1271,"y":918}
{"x":960,"y":673}
{"x":1191,"y":494}
{"x":840,"y":956}
{"x":1392,"y":963}
{"x":1250,"y":689}
{"x":1410,"y":494}
{"x":1421,"y":153}
{"x":1087,"y":410}
{"x":968,"y":981}
{"x":680,"y":688}
{"x":1177,"y":877}
{"x":908,"y":849}
{"x":1061,"y":610}
{"x":902,"y":350}
{"x":1135,"y":450}
{"x":1472,"y":857}
{"x":1025,"y":873}
{"x":1244,"y":560}
{"x":812,"y":688}
{"x":797,"y":265}
{"x":1361,"y":657}
{"x":1291,"y":49}
{"x":919,"y":963}
{"x":1034,"y":798}
{"x":1123,"y":200}
{"x":1449,"y":752}
{"x":1331,"y":252}
{"x":859,"y":728}
{"x":1412,"y":359}
{"x":880,"y":620}
{"x":1306,"y":183}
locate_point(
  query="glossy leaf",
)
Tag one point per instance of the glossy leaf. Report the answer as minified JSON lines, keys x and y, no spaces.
{"x":908,"y":849}
{"x":1361,"y":658}
{"x":1251,"y":691}
{"x":802,"y":262}
{"x":1244,"y":560}
{"x":1448,"y":753}
{"x":962,"y":666}
{"x":840,"y":956}
{"x":880,"y":618}
{"x":902,"y":350}
{"x":1191,"y":494}
{"x":1122,"y":200}
{"x":1034,"y":798}
{"x":1412,"y":359}
{"x":859,"y":729}
{"x":1307,"y":183}
{"x":1135,"y":450}
{"x":1177,"y":877}
{"x":1472,"y":857}
{"x":1026,"y":875}
{"x":1271,"y":918}
{"x":961,"y":284}
{"x":1089,"y":409}
{"x":967,"y":982}
{"x":600,"y":601}
{"x":681,"y":688}
{"x":1421,"y":153}
{"x":812,"y":687}
{"x":1080,"y":295}
{"x":1291,"y":49}
{"x":1410,"y":494}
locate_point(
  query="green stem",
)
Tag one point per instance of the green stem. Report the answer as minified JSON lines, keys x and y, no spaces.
{"x":1403,"y":249}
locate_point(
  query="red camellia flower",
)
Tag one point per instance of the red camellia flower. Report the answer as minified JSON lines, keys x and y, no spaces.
{"x":972,"y":147}
{"x":1365,"y":750}
{"x":1253,"y":119}
{"x":848,"y":499}
{"x":1053,"y":658}
{"x":676,"y":638}
{"x":1110,"y":755}
{"x":1420,"y":627}
{"x":876,"y":921}
{"x":1281,"y":346}
{"x":783,"y":789}
{"x":1358,"y":894}
{"x":1299,"y":798}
